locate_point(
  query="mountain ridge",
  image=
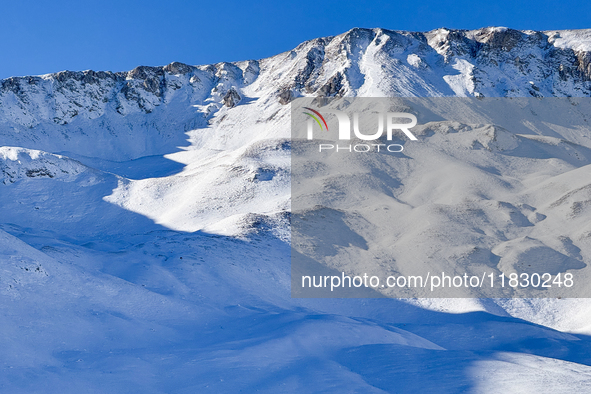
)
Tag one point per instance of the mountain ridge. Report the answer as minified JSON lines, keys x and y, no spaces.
{"x":490,"y":62}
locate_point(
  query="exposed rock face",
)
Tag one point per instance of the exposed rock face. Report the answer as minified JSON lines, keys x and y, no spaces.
{"x":178,"y":68}
{"x":285,"y":96}
{"x":583,"y":63}
{"x":231,"y":98}
{"x":334,"y":87}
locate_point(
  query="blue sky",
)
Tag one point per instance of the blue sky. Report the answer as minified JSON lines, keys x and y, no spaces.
{"x":39,"y":38}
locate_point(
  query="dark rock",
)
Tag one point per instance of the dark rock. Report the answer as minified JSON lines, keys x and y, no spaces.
{"x":583,"y":63}
{"x":178,"y":68}
{"x":145,"y":72}
{"x":314,"y":59}
{"x":333,"y":86}
{"x":39,"y":172}
{"x":504,"y":40}
{"x":231,"y":98}
{"x":285,"y":96}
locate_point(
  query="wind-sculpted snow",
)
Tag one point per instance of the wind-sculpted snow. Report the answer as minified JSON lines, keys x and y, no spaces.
{"x":144,"y":234}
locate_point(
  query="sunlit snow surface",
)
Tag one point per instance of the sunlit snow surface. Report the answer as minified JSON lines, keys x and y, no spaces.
{"x":144,"y":242}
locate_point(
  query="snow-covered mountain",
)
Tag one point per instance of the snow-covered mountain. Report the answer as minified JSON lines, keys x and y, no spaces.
{"x":144,"y":235}
{"x":142,"y":112}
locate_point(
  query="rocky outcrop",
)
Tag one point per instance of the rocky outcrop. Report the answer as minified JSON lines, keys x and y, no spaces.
{"x":231,"y":98}
{"x":20,"y":163}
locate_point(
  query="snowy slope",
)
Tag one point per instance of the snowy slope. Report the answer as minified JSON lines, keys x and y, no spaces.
{"x":495,"y":184}
{"x":144,"y":235}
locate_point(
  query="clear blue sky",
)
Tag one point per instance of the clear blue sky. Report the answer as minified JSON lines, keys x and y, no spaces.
{"x":42,"y":37}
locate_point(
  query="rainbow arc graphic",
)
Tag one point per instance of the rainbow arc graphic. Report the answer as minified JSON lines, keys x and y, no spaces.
{"x":316,"y":118}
